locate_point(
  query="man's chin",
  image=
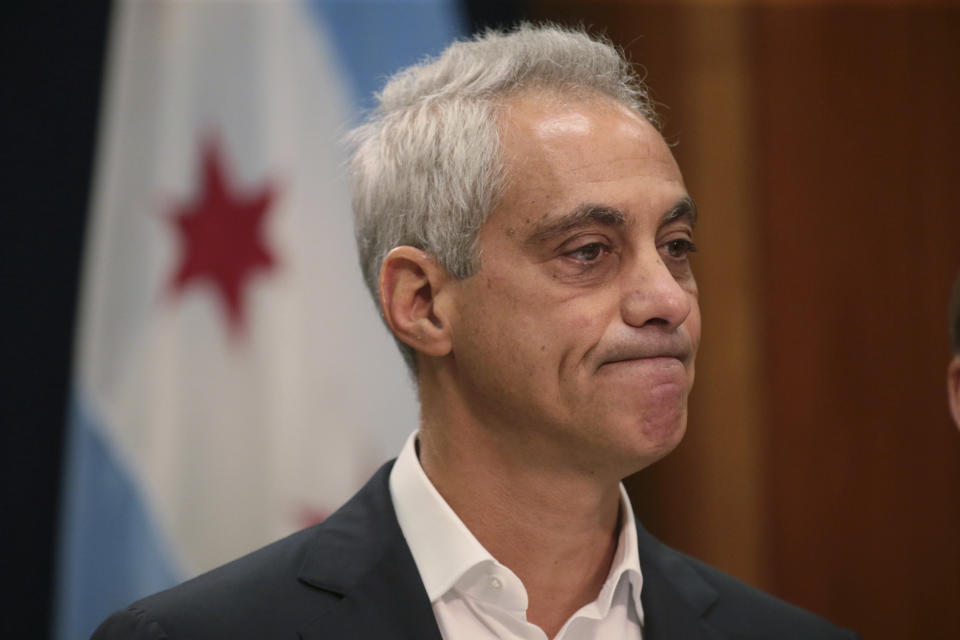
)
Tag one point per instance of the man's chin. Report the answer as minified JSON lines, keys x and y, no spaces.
{"x":643,"y":438}
{"x":663,"y":436}
{"x":656,"y":411}
{"x":658,"y":430}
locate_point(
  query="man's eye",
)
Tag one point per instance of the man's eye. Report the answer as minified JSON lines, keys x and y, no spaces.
{"x":680,"y":247}
{"x":589,"y":252}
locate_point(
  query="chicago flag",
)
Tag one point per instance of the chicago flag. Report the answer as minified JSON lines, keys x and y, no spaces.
{"x":233,"y":382}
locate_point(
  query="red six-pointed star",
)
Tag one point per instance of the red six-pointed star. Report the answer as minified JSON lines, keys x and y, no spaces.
{"x":221,"y":236}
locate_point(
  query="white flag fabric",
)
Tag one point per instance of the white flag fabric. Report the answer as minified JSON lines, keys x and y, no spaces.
{"x":233,"y":382}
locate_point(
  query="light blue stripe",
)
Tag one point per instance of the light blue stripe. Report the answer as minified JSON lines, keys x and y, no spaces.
{"x":375,"y":38}
{"x":110,"y":551}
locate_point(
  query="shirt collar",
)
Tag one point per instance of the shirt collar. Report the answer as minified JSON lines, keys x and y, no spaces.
{"x":626,"y":561}
{"x":442,"y":546}
{"x":445,"y":550}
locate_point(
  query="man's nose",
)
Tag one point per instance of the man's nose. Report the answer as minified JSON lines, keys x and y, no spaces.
{"x":652,"y":296}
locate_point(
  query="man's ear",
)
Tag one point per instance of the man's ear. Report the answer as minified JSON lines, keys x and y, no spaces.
{"x":953,"y":388}
{"x":410,"y":280}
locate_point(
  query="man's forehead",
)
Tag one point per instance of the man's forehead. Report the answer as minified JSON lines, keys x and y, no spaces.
{"x":549,"y":125}
{"x":570,"y":162}
{"x":550,"y":114}
{"x":541,"y":133}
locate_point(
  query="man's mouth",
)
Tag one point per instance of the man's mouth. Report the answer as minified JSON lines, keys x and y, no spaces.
{"x":651,"y":356}
{"x":658,"y":362}
{"x":649,"y":371}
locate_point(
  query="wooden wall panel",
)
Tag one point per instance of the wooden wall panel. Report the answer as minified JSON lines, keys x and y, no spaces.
{"x":726,"y":439}
{"x":858,"y":135}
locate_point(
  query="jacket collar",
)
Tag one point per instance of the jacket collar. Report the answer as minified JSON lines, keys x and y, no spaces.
{"x":675,"y":597}
{"x":360,"y":554}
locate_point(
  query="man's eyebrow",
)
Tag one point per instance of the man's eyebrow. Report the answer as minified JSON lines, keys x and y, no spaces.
{"x":685,"y":208}
{"x":583,"y":215}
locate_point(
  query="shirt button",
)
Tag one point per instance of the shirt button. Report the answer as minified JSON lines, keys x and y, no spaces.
{"x":495,"y":584}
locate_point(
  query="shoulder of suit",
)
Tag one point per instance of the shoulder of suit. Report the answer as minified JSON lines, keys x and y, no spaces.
{"x":273,"y":590}
{"x":131,"y":623}
{"x":255,"y":596}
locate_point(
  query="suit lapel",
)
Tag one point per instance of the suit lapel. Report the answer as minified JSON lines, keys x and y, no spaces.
{"x":390,"y":605}
{"x":674,"y":597}
{"x":360,"y":554}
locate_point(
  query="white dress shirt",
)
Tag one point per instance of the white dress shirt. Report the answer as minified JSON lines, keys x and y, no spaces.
{"x":475,"y":597}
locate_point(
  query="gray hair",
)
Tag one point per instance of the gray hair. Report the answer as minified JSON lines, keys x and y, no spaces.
{"x":427,"y":166}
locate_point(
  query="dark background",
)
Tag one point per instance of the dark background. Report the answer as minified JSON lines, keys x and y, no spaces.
{"x":52,"y":57}
{"x":820,"y":142}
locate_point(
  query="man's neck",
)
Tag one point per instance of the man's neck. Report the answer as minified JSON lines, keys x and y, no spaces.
{"x":554,"y":528}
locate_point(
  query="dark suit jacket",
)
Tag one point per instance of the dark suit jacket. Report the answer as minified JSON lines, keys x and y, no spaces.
{"x":353,"y":577}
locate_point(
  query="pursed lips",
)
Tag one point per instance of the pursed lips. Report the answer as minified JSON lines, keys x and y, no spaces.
{"x":673,"y":352}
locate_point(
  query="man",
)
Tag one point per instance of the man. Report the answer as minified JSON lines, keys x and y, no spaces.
{"x":953,"y":370}
{"x":526,"y":233}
